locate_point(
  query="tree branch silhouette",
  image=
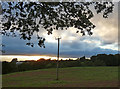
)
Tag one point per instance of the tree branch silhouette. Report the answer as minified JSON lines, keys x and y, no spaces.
{"x":27,"y":17}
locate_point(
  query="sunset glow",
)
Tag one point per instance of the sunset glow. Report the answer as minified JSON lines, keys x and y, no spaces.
{"x":25,"y":57}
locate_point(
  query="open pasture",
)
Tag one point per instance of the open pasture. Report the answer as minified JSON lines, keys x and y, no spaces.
{"x":68,"y":77}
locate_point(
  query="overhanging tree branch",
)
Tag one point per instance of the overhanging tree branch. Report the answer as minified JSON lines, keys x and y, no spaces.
{"x":27,"y":17}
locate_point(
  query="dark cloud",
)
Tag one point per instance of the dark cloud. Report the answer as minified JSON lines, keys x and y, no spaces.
{"x":18,"y":46}
{"x":88,"y":53}
{"x":67,"y":49}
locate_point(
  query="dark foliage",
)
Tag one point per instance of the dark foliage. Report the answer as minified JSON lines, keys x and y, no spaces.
{"x":99,"y":60}
{"x":109,"y":60}
{"x":28,"y":17}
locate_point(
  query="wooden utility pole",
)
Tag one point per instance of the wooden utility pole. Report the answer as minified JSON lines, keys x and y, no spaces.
{"x":57,"y":69}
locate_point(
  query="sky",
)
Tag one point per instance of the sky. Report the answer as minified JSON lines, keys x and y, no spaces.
{"x":72,"y":45}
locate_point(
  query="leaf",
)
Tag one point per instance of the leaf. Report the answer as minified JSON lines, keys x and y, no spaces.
{"x":27,"y":43}
{"x":77,"y":31}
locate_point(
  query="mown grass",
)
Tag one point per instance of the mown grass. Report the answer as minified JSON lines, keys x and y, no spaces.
{"x":72,"y":76}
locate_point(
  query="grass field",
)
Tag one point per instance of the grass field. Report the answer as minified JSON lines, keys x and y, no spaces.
{"x":68,"y":77}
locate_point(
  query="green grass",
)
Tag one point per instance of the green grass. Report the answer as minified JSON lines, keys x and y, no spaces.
{"x":72,"y":76}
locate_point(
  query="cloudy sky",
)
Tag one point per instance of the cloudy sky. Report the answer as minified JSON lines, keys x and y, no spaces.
{"x":72,"y":44}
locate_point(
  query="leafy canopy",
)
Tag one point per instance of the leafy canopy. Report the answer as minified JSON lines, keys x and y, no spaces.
{"x":28,"y":17}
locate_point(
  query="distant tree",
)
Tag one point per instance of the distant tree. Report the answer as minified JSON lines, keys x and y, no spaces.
{"x":99,"y":60}
{"x":117,"y":59}
{"x":41,"y":59}
{"x":27,"y":17}
{"x":48,"y":59}
{"x":70,"y":59}
{"x":99,"y":63}
{"x":109,"y":60}
{"x":13,"y":64}
{"x":82,"y":59}
{"x":92,"y":58}
{"x":6,"y":68}
{"x":14,"y":60}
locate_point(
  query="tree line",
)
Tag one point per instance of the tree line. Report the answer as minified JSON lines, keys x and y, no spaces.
{"x":98,"y":60}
